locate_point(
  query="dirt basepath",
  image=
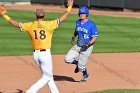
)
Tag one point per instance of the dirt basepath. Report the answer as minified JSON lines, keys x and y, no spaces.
{"x":107,"y":71}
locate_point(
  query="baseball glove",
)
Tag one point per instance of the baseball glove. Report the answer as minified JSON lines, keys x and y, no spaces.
{"x":85,"y":47}
{"x":2,"y":8}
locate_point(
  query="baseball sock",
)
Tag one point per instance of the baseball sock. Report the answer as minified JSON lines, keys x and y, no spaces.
{"x":74,"y":62}
{"x":85,"y":72}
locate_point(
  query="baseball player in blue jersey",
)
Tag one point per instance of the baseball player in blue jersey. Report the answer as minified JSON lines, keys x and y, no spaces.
{"x":87,"y":34}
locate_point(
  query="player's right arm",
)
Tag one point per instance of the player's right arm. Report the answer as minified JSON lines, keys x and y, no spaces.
{"x":75,"y":33}
{"x":9,"y":19}
{"x":73,"y":37}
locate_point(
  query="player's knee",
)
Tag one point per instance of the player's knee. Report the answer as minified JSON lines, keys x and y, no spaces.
{"x":67,"y":60}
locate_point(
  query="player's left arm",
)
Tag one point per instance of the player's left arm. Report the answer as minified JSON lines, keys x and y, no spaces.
{"x":55,"y":23}
{"x":67,"y":12}
{"x":93,"y":40}
{"x":94,"y":34}
{"x":4,"y":14}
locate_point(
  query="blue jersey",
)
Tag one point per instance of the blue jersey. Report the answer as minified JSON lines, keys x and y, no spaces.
{"x":85,"y":31}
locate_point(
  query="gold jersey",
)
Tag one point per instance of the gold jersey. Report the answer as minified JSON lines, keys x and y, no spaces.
{"x":40,"y":32}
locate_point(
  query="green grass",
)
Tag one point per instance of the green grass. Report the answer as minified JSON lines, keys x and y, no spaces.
{"x":118,"y":91}
{"x":116,"y":34}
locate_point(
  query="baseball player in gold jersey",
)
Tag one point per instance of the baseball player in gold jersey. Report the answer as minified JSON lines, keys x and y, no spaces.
{"x":40,"y":32}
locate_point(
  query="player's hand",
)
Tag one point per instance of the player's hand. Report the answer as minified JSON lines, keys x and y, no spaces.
{"x":69,"y":2}
{"x":3,"y":10}
{"x":85,"y":46}
{"x":72,"y":40}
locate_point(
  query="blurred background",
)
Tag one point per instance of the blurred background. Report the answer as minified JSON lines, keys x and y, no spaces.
{"x":118,"y":5}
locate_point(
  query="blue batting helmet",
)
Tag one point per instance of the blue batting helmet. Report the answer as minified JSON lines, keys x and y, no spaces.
{"x":83,"y":10}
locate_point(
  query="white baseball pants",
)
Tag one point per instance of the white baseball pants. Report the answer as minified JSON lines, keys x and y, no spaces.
{"x":44,"y":61}
{"x":83,"y":56}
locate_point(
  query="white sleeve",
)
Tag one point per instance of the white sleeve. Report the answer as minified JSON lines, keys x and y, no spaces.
{"x":19,"y":25}
{"x":58,"y":22}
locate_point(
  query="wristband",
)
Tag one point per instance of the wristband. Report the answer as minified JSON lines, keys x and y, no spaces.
{"x":69,"y":9}
{"x":7,"y":17}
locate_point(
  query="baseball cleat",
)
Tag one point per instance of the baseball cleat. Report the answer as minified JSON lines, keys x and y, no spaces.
{"x":84,"y":78}
{"x":76,"y":69}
